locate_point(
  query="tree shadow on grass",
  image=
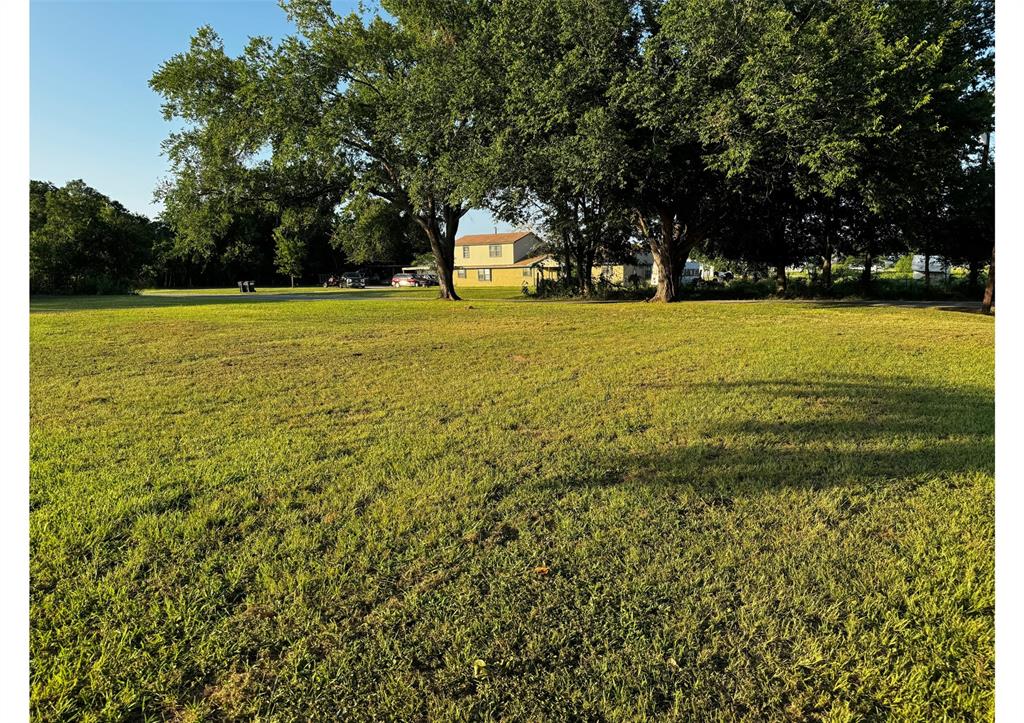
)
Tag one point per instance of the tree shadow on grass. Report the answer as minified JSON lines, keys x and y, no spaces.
{"x":815,"y":435}
{"x":967,"y":308}
{"x":103,"y":303}
{"x":941,"y":304}
{"x":145,"y":301}
{"x":44,"y":303}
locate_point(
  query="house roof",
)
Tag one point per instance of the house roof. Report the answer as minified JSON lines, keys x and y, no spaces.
{"x":486,"y":239}
{"x":532,"y":260}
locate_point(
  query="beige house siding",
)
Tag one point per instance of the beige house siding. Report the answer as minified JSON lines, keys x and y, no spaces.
{"x":621,"y":273}
{"x":500,"y":276}
{"x":481,"y":255}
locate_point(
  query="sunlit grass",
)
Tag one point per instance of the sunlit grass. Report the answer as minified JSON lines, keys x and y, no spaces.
{"x":333,"y":509}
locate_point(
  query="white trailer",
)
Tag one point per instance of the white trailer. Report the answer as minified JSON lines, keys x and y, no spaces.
{"x":692,"y":271}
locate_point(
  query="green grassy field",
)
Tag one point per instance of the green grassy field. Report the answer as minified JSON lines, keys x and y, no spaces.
{"x":389,"y":508}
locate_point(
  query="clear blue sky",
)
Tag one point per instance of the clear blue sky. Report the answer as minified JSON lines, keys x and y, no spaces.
{"x":92,"y":113}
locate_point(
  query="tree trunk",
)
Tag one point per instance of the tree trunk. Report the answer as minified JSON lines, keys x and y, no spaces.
{"x":972,"y":275}
{"x":865,"y":275}
{"x":446,"y":283}
{"x":443,"y":246}
{"x":670,"y":251}
{"x":927,"y":271}
{"x":588,"y":256}
{"x":826,"y":257}
{"x":445,"y":260}
{"x":668,"y":274}
{"x":293,"y":281}
{"x":780,"y":277}
{"x":989,"y":300}
{"x":565,"y":260}
{"x":582,"y":274}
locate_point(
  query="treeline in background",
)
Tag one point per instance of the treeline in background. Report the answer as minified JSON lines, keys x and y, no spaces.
{"x":82,"y":242}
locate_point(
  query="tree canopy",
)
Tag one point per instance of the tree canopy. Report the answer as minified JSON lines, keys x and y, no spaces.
{"x":80,"y":241}
{"x":769,"y":131}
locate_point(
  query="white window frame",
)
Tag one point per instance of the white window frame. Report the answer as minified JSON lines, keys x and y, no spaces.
{"x":465,"y":252}
{"x":461,"y":273}
{"x":494,"y":251}
{"x":483,"y":274}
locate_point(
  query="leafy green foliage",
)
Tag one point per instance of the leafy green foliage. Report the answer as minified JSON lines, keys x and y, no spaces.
{"x":371,"y":229}
{"x":83,"y":242}
{"x":861,"y":101}
{"x":768,"y":131}
{"x":904,"y":264}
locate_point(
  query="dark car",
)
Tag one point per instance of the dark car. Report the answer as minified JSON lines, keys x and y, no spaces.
{"x":428,"y":280}
{"x":352,"y":280}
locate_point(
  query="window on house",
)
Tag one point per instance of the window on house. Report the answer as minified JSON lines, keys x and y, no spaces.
{"x":494,"y":250}
{"x":527,"y":271}
{"x":483,"y":274}
{"x":461,"y":272}
{"x":465,"y":252}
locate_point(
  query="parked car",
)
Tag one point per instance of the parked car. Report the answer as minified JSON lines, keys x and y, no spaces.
{"x":352,"y":280}
{"x":428,"y":280}
{"x":723,"y":275}
{"x":407,"y":280}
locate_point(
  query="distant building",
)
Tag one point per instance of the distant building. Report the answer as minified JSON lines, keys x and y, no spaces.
{"x":627,"y":274}
{"x":509,"y":259}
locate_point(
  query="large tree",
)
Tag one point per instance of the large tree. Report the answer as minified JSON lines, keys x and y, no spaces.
{"x":555,"y":156}
{"x":860,"y":106}
{"x":350,"y":110}
{"x":726,"y":90}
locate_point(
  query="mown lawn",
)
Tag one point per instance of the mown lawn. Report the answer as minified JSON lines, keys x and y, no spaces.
{"x":386,"y":508}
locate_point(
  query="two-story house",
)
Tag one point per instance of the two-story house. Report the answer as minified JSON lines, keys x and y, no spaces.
{"x":510,"y":259}
{"x":499,"y":259}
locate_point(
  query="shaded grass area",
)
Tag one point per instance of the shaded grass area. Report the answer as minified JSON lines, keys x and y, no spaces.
{"x":602,"y":511}
{"x":196,"y":297}
{"x":372,"y":292}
